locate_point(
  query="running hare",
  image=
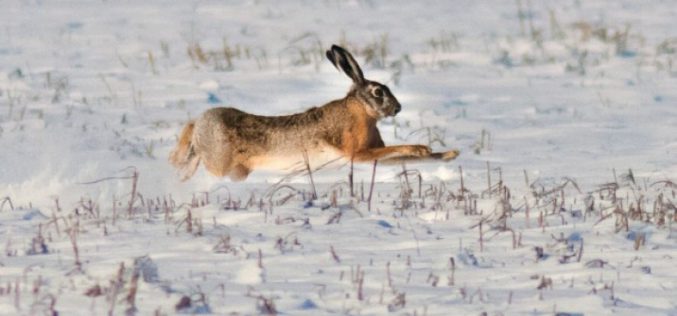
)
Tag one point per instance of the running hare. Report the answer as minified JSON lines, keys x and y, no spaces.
{"x":233,"y":143}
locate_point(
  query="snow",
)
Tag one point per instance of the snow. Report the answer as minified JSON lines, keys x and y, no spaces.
{"x":575,"y":117}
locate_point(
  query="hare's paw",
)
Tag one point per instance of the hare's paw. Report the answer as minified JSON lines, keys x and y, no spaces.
{"x":451,"y":155}
{"x":418,"y":150}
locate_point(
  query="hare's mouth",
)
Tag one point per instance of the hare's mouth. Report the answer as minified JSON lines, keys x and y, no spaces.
{"x":394,"y":110}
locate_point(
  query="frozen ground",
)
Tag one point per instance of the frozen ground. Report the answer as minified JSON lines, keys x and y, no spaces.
{"x":570,"y":106}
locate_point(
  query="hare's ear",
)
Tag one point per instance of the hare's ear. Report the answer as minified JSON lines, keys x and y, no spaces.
{"x":343,"y":60}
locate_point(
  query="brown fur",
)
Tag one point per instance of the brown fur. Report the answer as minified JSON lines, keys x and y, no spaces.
{"x":232,"y":143}
{"x":183,"y":157}
{"x":362,"y":140}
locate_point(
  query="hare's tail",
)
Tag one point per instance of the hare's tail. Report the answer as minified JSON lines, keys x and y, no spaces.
{"x":184,"y":157}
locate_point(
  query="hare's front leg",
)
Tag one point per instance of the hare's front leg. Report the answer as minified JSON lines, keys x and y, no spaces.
{"x":392,"y":152}
{"x":439,"y":156}
{"x":366,"y":144}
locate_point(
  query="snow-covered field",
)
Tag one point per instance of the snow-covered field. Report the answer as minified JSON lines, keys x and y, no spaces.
{"x":562,"y":201}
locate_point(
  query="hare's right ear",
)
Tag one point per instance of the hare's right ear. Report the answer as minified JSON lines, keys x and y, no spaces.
{"x":343,"y":60}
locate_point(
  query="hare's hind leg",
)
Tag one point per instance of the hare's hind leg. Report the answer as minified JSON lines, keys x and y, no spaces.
{"x":239,"y":172}
{"x":224,"y":166}
{"x":218,"y":160}
{"x":217,"y":168}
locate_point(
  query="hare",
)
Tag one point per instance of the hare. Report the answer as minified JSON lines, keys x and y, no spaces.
{"x":232,"y":143}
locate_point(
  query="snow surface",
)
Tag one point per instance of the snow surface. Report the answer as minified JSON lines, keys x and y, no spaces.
{"x":561,"y":101}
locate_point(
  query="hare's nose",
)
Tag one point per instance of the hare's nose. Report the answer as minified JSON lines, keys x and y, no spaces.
{"x":398,"y":108}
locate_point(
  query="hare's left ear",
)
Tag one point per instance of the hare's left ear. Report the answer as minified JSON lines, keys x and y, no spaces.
{"x":343,"y":60}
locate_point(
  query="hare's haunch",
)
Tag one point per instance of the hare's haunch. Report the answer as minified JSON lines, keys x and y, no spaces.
{"x":232,"y":143}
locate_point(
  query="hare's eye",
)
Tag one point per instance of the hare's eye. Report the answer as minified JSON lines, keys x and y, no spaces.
{"x":377,"y":92}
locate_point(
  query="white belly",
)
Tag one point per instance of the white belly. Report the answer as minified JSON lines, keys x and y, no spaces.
{"x":294,"y":160}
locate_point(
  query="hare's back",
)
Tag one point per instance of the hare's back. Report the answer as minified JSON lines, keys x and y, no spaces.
{"x":229,"y":117}
{"x":232,"y":123}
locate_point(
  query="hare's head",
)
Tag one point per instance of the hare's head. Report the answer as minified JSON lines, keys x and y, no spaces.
{"x":376,"y":97}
